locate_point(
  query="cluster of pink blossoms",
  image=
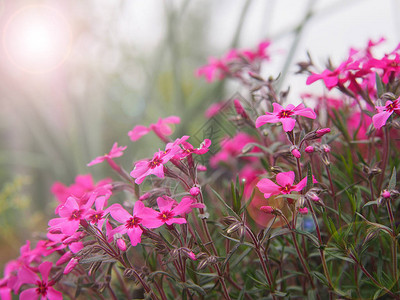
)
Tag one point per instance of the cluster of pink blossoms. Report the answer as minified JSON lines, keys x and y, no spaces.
{"x":356,"y":76}
{"x":233,"y":62}
{"x":83,"y":207}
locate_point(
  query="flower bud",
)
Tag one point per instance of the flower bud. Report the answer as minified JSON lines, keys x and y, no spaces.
{"x":201,"y":168}
{"x":144,"y":196}
{"x":326,"y":148}
{"x":71,"y":265}
{"x":239,"y":109}
{"x":194,"y":191}
{"x":386,"y":194}
{"x":295,"y":152}
{"x":303,"y":210}
{"x":322,"y":132}
{"x":121,"y":244}
{"x":267,"y":209}
{"x":309,"y":149}
{"x":64,"y":258}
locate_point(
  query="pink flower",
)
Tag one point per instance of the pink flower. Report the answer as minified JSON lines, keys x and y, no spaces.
{"x":97,"y":216}
{"x":155,"y":166}
{"x":231,"y":148}
{"x":259,"y":53}
{"x":331,"y":78}
{"x":168,"y":214}
{"x":215,"y":109}
{"x":114,"y":152}
{"x":81,"y":189}
{"x":43,"y":288}
{"x":284,"y":116}
{"x":384,"y":112}
{"x":71,"y":214}
{"x":217,"y":68}
{"x":131,"y":224}
{"x":285,"y":184}
{"x":188,"y":149}
{"x":161,"y":128}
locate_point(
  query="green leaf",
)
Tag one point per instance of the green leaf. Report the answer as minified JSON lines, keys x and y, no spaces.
{"x":102,"y":258}
{"x":153,"y":274}
{"x":377,"y":225}
{"x":379,"y":85}
{"x":279,"y":233}
{"x":310,"y":182}
{"x":226,"y":205}
{"x":321,"y":277}
{"x":375,"y":202}
{"x":313,"y":238}
{"x":392,"y":182}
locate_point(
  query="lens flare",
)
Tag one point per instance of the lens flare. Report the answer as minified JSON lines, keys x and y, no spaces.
{"x":37,"y":39}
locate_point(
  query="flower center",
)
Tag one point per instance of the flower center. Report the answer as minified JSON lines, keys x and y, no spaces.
{"x":96,"y":217}
{"x":286,"y":189}
{"x":42,"y":288}
{"x":392,"y":106}
{"x":76,"y":214}
{"x":155,"y":162}
{"x":133,"y":222}
{"x":285,"y":114}
{"x":165,"y":215}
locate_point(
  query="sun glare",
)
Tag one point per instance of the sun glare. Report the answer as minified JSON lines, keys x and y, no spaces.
{"x":37,"y":39}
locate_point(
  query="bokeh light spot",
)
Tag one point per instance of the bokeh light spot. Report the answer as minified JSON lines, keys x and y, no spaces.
{"x":37,"y":39}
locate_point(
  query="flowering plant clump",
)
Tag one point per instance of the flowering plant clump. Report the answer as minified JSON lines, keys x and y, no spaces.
{"x":305,"y":210}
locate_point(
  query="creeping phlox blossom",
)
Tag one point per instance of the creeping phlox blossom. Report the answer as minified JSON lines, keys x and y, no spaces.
{"x":162,"y":128}
{"x":177,"y":150}
{"x":358,"y":72}
{"x":284,"y":115}
{"x":41,"y":287}
{"x":384,"y":112}
{"x":284,"y":184}
{"x":15,"y":271}
{"x":114,"y":152}
{"x":81,"y":189}
{"x":219,"y":68}
{"x":131,"y":224}
{"x":71,"y":214}
{"x":232,"y":148}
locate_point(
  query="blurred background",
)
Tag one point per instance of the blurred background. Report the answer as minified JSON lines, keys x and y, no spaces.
{"x":76,"y":76}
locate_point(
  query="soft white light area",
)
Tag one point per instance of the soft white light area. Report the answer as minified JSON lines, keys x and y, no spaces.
{"x":37,"y":39}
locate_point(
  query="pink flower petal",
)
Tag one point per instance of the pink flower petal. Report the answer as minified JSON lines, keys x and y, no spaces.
{"x":52,"y":294}
{"x":135,"y":235}
{"x":285,"y":178}
{"x":27,"y":276}
{"x":288,"y":124}
{"x":119,"y":213}
{"x":266,"y":119}
{"x":44,"y":269}
{"x":165,"y":203}
{"x":137,"y":132}
{"x":380,"y":119}
{"x":176,"y":221}
{"x":267,"y":186}
{"x":183,"y":207}
{"x":29,"y":294}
